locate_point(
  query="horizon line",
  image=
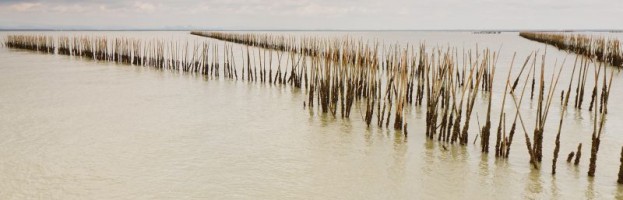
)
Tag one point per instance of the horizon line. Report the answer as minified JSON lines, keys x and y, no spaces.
{"x":219,"y":29}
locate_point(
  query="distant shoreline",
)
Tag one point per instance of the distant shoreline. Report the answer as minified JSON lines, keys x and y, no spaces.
{"x":336,"y":30}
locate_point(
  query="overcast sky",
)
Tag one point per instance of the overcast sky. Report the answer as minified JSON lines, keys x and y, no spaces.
{"x":314,"y":14}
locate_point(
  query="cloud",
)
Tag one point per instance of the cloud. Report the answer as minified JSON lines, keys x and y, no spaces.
{"x":144,"y":7}
{"x":317,"y":14}
{"x":69,"y":9}
{"x":23,"y":7}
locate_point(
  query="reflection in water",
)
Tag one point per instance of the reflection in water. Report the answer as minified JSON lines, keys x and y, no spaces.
{"x":590,"y":189}
{"x":429,"y":157}
{"x":397,"y":169}
{"x":483,"y":166}
{"x":619,"y":193}
{"x":367,"y":135}
{"x":534,"y":184}
{"x":554,"y":188}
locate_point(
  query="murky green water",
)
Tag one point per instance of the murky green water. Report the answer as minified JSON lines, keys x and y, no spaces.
{"x":81,"y":129}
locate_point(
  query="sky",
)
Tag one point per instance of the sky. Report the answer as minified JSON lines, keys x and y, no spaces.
{"x":312,"y":14}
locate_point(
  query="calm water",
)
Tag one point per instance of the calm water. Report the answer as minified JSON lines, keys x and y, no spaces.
{"x":81,"y":129}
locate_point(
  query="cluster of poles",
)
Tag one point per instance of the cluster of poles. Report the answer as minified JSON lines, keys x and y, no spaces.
{"x":604,"y":49}
{"x":384,"y":81}
{"x":203,"y":58}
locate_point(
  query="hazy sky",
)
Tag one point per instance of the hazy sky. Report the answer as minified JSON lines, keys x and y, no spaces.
{"x":314,"y":14}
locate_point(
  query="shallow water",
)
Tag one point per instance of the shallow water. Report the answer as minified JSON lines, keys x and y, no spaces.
{"x":73,"y":128}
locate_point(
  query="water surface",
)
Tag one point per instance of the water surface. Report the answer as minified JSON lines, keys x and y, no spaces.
{"x":73,"y":128}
